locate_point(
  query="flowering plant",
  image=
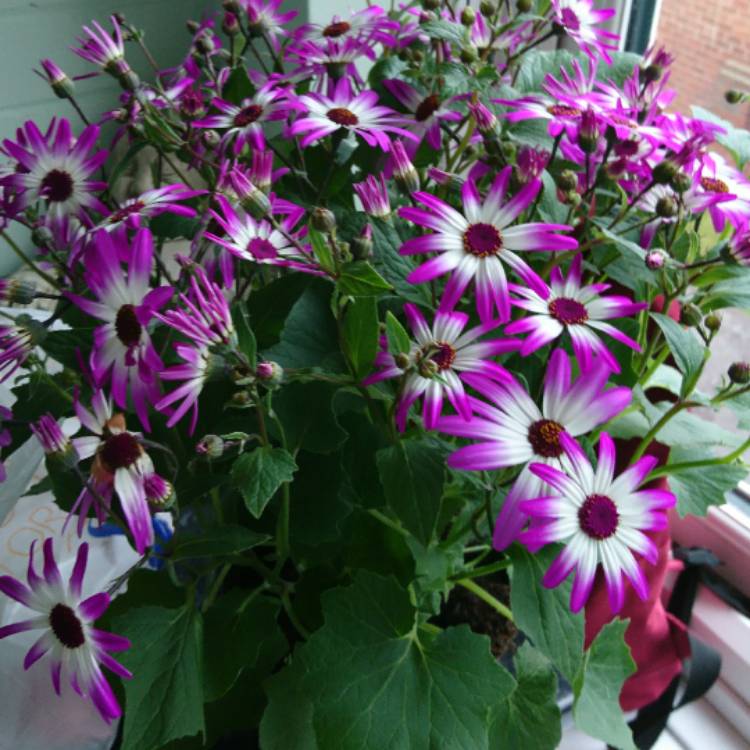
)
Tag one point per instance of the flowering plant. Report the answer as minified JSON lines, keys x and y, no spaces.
{"x":392,"y":322}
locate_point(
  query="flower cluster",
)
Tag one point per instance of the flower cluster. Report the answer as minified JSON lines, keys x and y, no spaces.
{"x":322,"y":274}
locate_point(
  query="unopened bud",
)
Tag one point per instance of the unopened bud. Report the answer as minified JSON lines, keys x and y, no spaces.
{"x":362,"y":245}
{"x":402,"y":360}
{"x":666,"y":207}
{"x":739,"y":372}
{"x":323,"y":219}
{"x":664,"y":172}
{"x":655,"y":259}
{"x":58,"y":80}
{"x":712,"y":322}
{"x":734,"y":97}
{"x":53,"y":440}
{"x":469,"y":54}
{"x":487,"y":9}
{"x":468,"y":16}
{"x":230,"y":24}
{"x":211,"y":138}
{"x":129,"y":80}
{"x":241,"y":398}
{"x":42,"y":237}
{"x":567,"y":180}
{"x":681,"y":182}
{"x":271,"y":373}
{"x":254,"y":201}
{"x":160,"y":493}
{"x":524,"y":6}
{"x":428,"y":368}
{"x":652,"y":73}
{"x":192,"y":26}
{"x":205,"y":44}
{"x":430,"y":4}
{"x":210,"y":446}
{"x":690,"y":315}
{"x":232,"y":6}
{"x":573,"y":198}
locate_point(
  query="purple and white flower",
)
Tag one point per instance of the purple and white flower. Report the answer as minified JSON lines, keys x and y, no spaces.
{"x":264,"y":16}
{"x":512,"y":430}
{"x":104,"y":49}
{"x":601,"y":520}
{"x":122,"y":346}
{"x":477,"y":243}
{"x":76,"y":649}
{"x":438,"y":359}
{"x":151,"y":203}
{"x":579,"y":18}
{"x":581,"y":310}
{"x":356,"y":113}
{"x":56,"y":167}
{"x":373,"y":194}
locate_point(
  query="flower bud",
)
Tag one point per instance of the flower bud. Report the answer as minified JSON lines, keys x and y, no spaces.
{"x":712,"y":322}
{"x":192,"y":26}
{"x":160,"y":493}
{"x":690,"y":315}
{"x":468,"y":16}
{"x":211,"y":138}
{"x":54,"y":441}
{"x":323,"y":219}
{"x":210,"y":446}
{"x":428,"y":368}
{"x":232,"y":6}
{"x":404,"y":172}
{"x":59,"y":82}
{"x":666,"y":207}
{"x":588,"y":132}
{"x":524,"y":6}
{"x":572,"y":198}
{"x":241,"y":398}
{"x":402,"y":360}
{"x":204,"y":43}
{"x":664,"y":172}
{"x":430,"y":4}
{"x":739,"y":373}
{"x":681,"y":182}
{"x":17,"y":292}
{"x":230,"y":24}
{"x":254,"y":201}
{"x":469,"y":54}
{"x":652,"y":73}
{"x":486,"y":120}
{"x":487,"y":9}
{"x":128,"y":80}
{"x":567,"y":180}
{"x":42,"y":237}
{"x":362,"y":245}
{"x":734,"y":97}
{"x":655,"y":259}
{"x":271,"y":373}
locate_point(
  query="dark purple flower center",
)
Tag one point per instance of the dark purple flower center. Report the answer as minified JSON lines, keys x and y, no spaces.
{"x":247,"y":115}
{"x":57,"y":186}
{"x":120,"y":451}
{"x":336,"y":29}
{"x":127,"y":326}
{"x":261,"y":249}
{"x":444,"y":355}
{"x":482,"y":240}
{"x":122,"y":213}
{"x":562,"y":110}
{"x":570,"y":20}
{"x":342,"y":116}
{"x":714,"y":185}
{"x":544,"y":437}
{"x":598,"y":517}
{"x":66,"y":626}
{"x":568,"y":311}
{"x":427,"y":107}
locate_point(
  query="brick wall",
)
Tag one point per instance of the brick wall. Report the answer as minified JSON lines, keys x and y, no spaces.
{"x":711,"y":45}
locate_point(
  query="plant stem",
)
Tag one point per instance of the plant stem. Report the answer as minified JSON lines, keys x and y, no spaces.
{"x":663,"y":471}
{"x":651,"y":434}
{"x":388,"y":522}
{"x":486,"y":597}
{"x":26,"y":260}
{"x":485,"y":570}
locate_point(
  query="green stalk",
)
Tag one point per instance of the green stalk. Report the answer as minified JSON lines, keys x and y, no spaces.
{"x":651,"y":434}
{"x":486,"y":597}
{"x":26,"y":260}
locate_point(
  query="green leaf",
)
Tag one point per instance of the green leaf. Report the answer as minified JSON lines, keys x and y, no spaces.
{"x":171,"y":226}
{"x":385,"y":68}
{"x":398,"y":339}
{"x":164,"y":700}
{"x":735,"y":140}
{"x":20,"y":467}
{"x":258,"y":474}
{"x":536,"y":64}
{"x":607,"y":663}
{"x":550,"y":207}
{"x":306,"y":411}
{"x":360,"y":334}
{"x":321,"y":249}
{"x":219,"y":541}
{"x":360,"y":279}
{"x":368,"y":680}
{"x":309,"y":337}
{"x":699,"y":488}
{"x":444,"y":30}
{"x":544,"y":614}
{"x":622,"y":67}
{"x":67,"y":346}
{"x":245,"y":336}
{"x":238,"y":86}
{"x":256,"y":640}
{"x":687,"y":350}
{"x":412,"y":473}
{"x":270,"y":306}
{"x":529,"y":717}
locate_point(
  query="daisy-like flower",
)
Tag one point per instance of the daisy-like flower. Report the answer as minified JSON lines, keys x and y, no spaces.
{"x":359,"y":114}
{"x":563,"y":116}
{"x":16,"y":343}
{"x":333,"y":57}
{"x":207,"y":322}
{"x":373,"y":194}
{"x":259,"y":241}
{"x":600,"y":518}
{"x":427,"y":110}
{"x":580,"y":309}
{"x":739,"y":245}
{"x":731,"y":188}
{"x":475,"y":244}
{"x":56,"y":167}
{"x":242,"y":122}
{"x":151,"y":203}
{"x":53,"y":440}
{"x":437,"y":361}
{"x":121,"y":465}
{"x":512,"y":430}
{"x":579,"y":18}
{"x":367,"y":24}
{"x":104,"y":49}
{"x":77,"y":650}
{"x":122,"y":346}
{"x":263,"y":16}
